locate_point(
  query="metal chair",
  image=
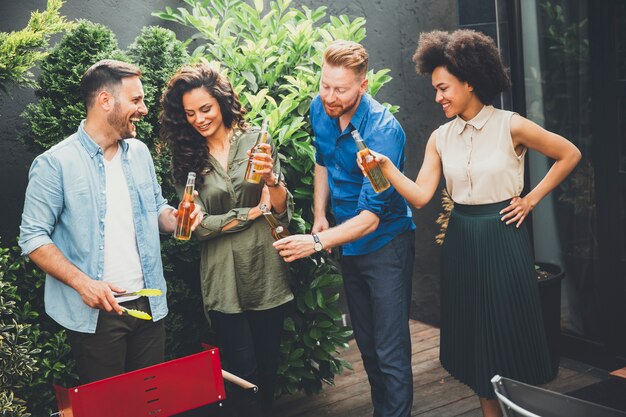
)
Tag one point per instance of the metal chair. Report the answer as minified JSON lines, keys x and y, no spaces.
{"x":521,"y":400}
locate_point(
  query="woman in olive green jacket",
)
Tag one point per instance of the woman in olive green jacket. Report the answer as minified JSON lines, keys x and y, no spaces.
{"x":244,"y":281}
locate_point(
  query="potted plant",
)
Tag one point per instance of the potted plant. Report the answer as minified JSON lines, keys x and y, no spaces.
{"x":549,"y":278}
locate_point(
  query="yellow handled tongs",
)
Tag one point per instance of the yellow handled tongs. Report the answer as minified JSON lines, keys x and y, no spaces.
{"x":146,"y":292}
{"x":136,"y":313}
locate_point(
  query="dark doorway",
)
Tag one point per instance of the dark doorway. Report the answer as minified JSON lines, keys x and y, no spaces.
{"x":608,"y":53}
{"x":573,"y":71}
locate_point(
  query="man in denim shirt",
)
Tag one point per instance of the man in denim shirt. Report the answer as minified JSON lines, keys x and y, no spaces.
{"x":91,"y":221}
{"x":376,"y":231}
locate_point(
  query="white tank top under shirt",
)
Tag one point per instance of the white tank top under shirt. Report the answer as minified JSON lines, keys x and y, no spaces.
{"x":122,"y":266}
{"x":478,"y":158}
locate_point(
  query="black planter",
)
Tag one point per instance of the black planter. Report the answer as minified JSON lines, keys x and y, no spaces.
{"x":550,"y":297}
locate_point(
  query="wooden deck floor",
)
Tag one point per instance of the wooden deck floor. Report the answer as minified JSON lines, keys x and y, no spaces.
{"x":436,"y":394}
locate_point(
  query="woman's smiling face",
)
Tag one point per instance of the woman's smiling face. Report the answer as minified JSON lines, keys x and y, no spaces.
{"x":453,"y":94}
{"x":203,"y":112}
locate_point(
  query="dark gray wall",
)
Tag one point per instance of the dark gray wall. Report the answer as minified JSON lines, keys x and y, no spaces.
{"x":393,"y":27}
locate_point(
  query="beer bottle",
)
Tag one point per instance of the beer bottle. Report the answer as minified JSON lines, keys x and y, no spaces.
{"x":371,"y":167}
{"x":185,"y":208}
{"x":278,"y":230}
{"x":251,"y":176}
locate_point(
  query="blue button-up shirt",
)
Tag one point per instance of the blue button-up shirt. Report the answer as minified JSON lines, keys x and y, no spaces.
{"x":350,"y":191}
{"x":66,"y":204}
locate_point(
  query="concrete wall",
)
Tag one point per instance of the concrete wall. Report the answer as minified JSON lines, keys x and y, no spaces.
{"x":392,"y":27}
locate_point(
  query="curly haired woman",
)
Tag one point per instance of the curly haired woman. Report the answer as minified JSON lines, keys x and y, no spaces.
{"x":244,"y":281}
{"x":490,"y":313}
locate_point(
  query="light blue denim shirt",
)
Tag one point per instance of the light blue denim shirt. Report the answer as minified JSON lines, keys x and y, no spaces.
{"x":66,"y":204}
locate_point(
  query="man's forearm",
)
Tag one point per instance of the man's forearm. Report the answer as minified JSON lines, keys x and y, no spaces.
{"x":300,"y":246}
{"x":50,"y":259}
{"x":321,"y":191}
{"x":93,"y":292}
{"x":355,"y":228}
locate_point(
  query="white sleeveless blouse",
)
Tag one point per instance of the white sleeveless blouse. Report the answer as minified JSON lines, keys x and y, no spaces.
{"x":478,"y":158}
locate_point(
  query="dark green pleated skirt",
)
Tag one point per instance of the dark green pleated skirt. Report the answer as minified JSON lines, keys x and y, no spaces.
{"x":490,"y":313}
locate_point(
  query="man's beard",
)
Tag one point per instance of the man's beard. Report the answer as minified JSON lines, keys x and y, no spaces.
{"x":120,"y":123}
{"x":339,"y":111}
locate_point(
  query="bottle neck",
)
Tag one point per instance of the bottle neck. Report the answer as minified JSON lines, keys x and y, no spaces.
{"x":271,"y":219}
{"x":360,"y":145}
{"x":269,"y":216}
{"x":262,"y":137}
{"x":189,"y":187}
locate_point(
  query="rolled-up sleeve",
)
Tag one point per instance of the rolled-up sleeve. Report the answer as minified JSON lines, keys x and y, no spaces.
{"x":42,"y":205}
{"x":388,"y":141}
{"x":213,"y":225}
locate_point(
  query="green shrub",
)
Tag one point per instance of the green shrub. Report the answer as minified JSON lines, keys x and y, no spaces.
{"x":20,"y":50}
{"x":273,"y":59}
{"x":59,"y":110}
{"x":33,"y":349}
{"x":159,"y":54}
{"x":17,"y":356}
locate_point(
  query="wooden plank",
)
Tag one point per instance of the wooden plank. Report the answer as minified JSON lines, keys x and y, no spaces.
{"x":358,"y":388}
{"x":454,"y":408}
{"x":436,"y":393}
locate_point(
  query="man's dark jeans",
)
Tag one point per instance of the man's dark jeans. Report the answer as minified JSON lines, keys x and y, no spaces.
{"x":378,"y":290}
{"x":120,"y":344}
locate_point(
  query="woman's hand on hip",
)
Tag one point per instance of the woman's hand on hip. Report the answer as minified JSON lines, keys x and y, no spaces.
{"x":517,"y":211}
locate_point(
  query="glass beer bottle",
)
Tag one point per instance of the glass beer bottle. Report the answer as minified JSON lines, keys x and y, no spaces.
{"x":371,"y":167}
{"x":278,"y":230}
{"x":185,"y":208}
{"x":251,"y":176}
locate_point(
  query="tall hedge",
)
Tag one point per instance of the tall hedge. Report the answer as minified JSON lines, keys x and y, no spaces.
{"x":59,"y":109}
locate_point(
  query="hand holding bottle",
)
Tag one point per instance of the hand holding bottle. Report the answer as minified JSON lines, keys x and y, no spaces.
{"x":252,"y":170}
{"x":382,"y":160}
{"x":262,"y":162}
{"x":195,"y":215}
{"x":188,"y":215}
{"x":371,"y":169}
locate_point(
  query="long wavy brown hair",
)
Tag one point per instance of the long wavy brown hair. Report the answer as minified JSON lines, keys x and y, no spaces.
{"x":189,"y":148}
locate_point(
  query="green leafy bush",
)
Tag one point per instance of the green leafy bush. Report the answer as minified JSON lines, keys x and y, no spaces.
{"x":59,"y":110}
{"x":159,"y":54}
{"x":20,"y":50}
{"x":273,"y":58}
{"x":33,"y":349}
{"x":17,"y":355}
